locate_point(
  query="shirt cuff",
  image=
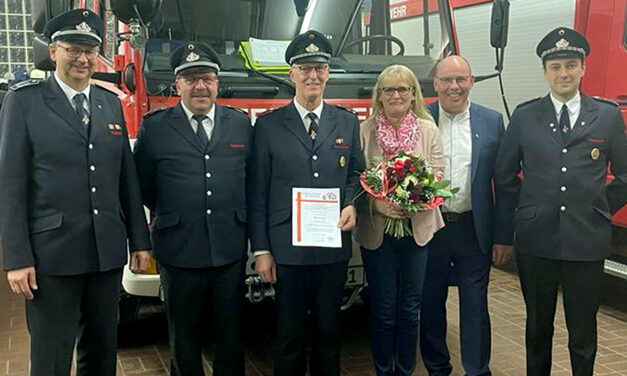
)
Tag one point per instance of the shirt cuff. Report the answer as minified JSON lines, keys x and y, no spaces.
{"x":261,"y":252}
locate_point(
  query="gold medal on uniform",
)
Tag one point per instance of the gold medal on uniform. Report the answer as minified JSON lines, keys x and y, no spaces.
{"x":342,"y":161}
{"x":594,"y":154}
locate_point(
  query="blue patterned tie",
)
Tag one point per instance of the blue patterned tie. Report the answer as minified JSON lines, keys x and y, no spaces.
{"x":82,"y":113}
{"x":313,"y":126}
{"x":564,"y":123}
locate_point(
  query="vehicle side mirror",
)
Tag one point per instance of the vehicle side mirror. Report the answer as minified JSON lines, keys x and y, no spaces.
{"x":44,"y":10}
{"x":127,"y":10}
{"x":41,"y":56}
{"x":499,"y":23}
{"x":301,"y":7}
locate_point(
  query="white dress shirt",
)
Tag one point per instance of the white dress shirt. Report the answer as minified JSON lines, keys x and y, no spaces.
{"x":208,"y":123}
{"x":302,"y":111}
{"x":457,"y":142}
{"x":70,"y":93}
{"x":573,"y":105}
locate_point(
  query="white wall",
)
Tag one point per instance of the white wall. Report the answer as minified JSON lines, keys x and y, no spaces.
{"x":529,"y":21}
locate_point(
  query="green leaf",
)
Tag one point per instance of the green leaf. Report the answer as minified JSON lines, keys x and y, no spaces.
{"x":441,"y":184}
{"x":444,"y":193}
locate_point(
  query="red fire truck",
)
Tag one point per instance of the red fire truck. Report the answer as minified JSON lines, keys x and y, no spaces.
{"x":605,"y":25}
{"x":250,"y":35}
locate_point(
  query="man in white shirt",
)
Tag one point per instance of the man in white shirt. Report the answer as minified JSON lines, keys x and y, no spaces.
{"x":464,"y":249}
{"x":561,"y":210}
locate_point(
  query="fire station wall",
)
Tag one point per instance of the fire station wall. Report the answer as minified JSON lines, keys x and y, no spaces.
{"x":529,"y":21}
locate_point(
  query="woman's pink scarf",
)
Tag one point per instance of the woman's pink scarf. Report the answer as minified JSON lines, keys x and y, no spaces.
{"x":392,"y":139}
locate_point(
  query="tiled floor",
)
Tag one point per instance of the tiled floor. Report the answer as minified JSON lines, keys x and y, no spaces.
{"x":145,"y":350}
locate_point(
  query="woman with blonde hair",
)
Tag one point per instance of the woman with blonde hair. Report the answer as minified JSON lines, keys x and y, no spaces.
{"x":395,"y":268}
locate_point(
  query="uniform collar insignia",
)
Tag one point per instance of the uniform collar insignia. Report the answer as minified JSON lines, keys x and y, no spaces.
{"x":192,"y":57}
{"x":83,"y":26}
{"x":312,"y":48}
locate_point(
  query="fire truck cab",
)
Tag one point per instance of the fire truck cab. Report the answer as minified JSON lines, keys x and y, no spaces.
{"x":250,"y":37}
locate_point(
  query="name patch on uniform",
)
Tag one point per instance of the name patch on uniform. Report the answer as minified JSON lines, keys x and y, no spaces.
{"x":235,"y":145}
{"x":596,"y":140}
{"x":341,"y":146}
{"x":115,"y":129}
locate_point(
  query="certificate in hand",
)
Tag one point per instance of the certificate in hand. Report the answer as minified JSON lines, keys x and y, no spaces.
{"x":315,"y":214}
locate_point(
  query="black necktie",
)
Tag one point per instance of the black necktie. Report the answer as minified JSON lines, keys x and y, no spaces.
{"x":200,"y":130}
{"x":564,"y":123}
{"x":82,"y":113}
{"x":313,"y":126}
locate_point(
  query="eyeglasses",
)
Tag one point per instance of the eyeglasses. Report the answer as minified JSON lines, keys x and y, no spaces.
{"x":448,"y":81}
{"x":401,"y":90}
{"x":307,"y":69}
{"x":75,"y":52}
{"x":193,"y":80}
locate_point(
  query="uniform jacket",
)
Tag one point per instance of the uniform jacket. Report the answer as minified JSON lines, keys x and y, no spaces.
{"x":284,"y":157}
{"x":197,"y":194}
{"x":370,"y":229}
{"x":562,"y":206}
{"x":68,"y":200}
{"x":487,"y":130}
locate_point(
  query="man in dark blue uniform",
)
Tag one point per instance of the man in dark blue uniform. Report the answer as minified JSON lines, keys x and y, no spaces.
{"x":306,"y":144}
{"x":69,"y":200}
{"x":192,"y":160}
{"x":563,"y":144}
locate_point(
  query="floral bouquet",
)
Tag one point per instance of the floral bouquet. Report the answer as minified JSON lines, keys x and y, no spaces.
{"x":407,"y":181}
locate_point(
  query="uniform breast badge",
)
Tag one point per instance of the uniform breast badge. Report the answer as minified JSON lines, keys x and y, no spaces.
{"x":342,"y":161}
{"x":594,"y":154}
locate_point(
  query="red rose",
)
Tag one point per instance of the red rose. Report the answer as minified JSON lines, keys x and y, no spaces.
{"x":413,"y":168}
{"x":398,"y":164}
{"x":415,"y":197}
{"x":400,"y":173}
{"x":407,"y":163}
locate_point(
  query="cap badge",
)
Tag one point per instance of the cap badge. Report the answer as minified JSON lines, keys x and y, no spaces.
{"x":312,"y":48}
{"x":190,"y":47}
{"x":192,"y":57}
{"x":562,"y":43}
{"x":85,"y":13}
{"x":83,"y":26}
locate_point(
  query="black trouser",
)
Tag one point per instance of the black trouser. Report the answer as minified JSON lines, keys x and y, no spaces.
{"x":67,"y":307}
{"x":319,"y":290}
{"x":189,"y":294}
{"x":581,"y":283}
{"x":456,"y":243}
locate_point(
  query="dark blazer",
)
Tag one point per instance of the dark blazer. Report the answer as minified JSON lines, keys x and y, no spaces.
{"x":487,"y":129}
{"x":68,"y":200}
{"x":197,"y":194}
{"x":562,"y":206}
{"x":284,"y":157}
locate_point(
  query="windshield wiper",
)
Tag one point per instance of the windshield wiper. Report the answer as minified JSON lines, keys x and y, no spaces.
{"x":274,"y":78}
{"x":348,"y":28}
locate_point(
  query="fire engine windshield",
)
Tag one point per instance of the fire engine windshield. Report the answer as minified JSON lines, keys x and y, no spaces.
{"x":366,"y":35}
